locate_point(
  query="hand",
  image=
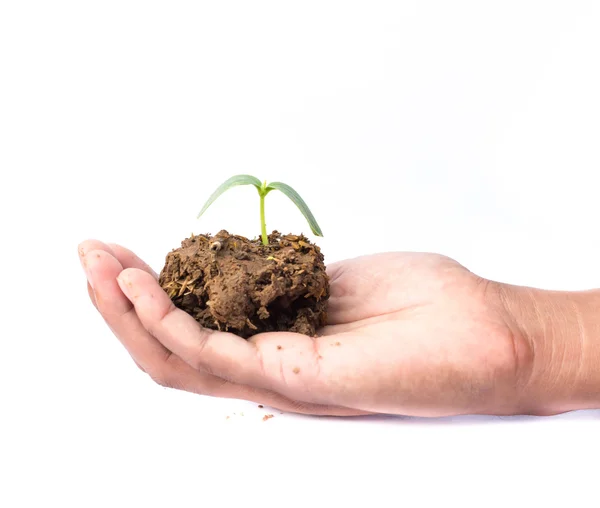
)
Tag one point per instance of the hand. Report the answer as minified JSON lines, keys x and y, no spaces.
{"x":408,"y":333}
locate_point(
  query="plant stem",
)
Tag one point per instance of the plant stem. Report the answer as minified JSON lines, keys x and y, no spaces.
{"x":263,"y":224}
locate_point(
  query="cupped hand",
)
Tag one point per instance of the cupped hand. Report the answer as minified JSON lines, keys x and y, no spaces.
{"x":408,"y":333}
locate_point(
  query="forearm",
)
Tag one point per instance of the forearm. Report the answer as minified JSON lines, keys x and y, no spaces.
{"x":561,"y":332}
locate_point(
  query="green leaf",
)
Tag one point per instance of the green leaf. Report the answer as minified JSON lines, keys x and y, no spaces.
{"x":299,"y":202}
{"x":227,"y":184}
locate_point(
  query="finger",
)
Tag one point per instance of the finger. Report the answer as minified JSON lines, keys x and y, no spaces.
{"x":102,"y":269}
{"x":82,"y":249}
{"x":92,"y":295}
{"x":89,"y":245}
{"x":341,"y":306}
{"x":126,"y":258}
{"x":130,"y":260}
{"x":360,"y":288}
{"x":118,"y":312}
{"x":223,"y":354}
{"x":147,"y":353}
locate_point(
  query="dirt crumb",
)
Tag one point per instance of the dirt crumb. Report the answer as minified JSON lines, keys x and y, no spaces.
{"x":296,"y":370}
{"x":267,"y":417}
{"x":260,"y":406}
{"x":279,"y":348}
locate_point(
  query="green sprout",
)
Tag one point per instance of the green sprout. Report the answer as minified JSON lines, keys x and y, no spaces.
{"x":263,"y":189}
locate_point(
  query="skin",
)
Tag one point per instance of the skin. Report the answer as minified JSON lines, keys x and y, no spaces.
{"x":408,"y":333}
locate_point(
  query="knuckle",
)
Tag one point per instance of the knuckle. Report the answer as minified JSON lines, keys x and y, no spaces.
{"x":196,"y":363}
{"x":160,"y":378}
{"x":198,"y":360}
{"x":165,"y":377}
{"x":155,"y":323}
{"x":199,"y":364}
{"x":164,"y":315}
{"x":215,"y":387}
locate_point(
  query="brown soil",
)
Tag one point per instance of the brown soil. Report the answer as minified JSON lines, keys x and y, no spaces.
{"x":230,"y":283}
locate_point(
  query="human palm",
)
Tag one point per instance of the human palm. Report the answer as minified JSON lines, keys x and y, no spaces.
{"x":407,"y":333}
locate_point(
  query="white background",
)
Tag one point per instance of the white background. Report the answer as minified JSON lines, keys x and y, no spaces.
{"x":466,"y":128}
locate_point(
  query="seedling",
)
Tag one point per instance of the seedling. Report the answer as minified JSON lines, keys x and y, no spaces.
{"x":263,"y":189}
{"x":247,"y":286}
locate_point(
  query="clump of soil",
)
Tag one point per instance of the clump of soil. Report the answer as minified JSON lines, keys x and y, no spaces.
{"x":228,"y":282}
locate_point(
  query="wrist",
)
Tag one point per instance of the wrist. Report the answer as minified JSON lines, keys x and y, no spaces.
{"x":561,"y":330}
